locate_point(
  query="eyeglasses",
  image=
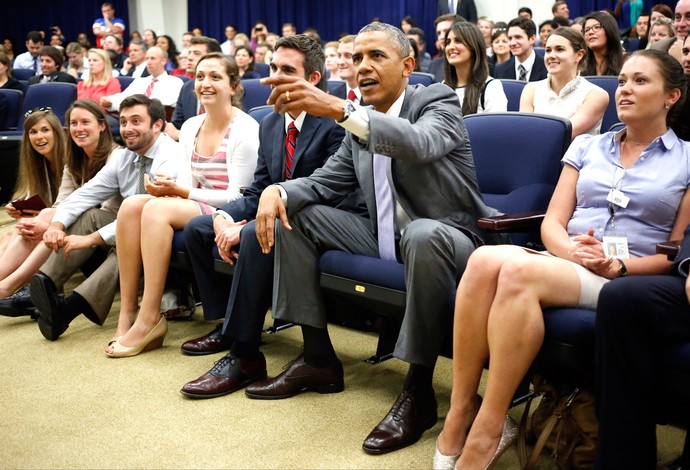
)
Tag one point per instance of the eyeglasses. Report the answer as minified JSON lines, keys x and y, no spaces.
{"x":595,"y":28}
{"x":35,"y":110}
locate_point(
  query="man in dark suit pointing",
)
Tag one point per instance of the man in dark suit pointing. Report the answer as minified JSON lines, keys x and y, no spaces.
{"x":411,"y":159}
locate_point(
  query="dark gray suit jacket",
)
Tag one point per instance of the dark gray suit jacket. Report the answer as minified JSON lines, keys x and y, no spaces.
{"x":431,"y":166}
{"x":465,"y":8}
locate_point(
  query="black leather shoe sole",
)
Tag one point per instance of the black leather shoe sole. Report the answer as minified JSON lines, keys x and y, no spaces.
{"x":43,"y":297}
{"x":384,"y":450}
{"x":201,"y":396}
{"x":205,"y":352}
{"x":326,"y":388}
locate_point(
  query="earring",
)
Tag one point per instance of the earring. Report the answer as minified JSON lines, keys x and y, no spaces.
{"x":667,"y":105}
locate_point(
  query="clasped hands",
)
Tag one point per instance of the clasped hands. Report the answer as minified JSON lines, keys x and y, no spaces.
{"x":589,"y":252}
{"x":55,"y":238}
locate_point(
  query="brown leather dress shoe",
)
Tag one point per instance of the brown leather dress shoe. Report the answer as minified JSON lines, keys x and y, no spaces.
{"x":210,"y":343}
{"x":404,"y":424}
{"x":227,"y":375}
{"x":298,"y":377}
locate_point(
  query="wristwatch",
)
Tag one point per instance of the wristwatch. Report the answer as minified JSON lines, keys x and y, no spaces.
{"x":348,"y":108}
{"x":622,"y":269}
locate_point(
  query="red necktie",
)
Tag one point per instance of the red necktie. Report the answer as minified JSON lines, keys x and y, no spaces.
{"x":149,"y":89}
{"x":290,"y":142}
{"x":351,"y":96}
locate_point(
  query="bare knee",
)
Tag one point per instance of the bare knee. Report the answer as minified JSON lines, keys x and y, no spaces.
{"x":132,"y":206}
{"x":519,"y":275}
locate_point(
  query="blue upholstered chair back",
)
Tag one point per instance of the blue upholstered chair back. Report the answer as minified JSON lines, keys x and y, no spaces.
{"x":59,"y":96}
{"x":255,"y":94}
{"x":608,"y":83}
{"x":13,"y":103}
{"x":263,"y":69}
{"x":518,"y":159}
{"x":513,"y":91}
{"x":22,"y":74}
{"x":337,"y":88}
{"x":260,"y":112}
{"x":421,"y":78}
{"x":125,"y":81}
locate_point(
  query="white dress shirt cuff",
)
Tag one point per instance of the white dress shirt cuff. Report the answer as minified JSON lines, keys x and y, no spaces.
{"x":357,"y":123}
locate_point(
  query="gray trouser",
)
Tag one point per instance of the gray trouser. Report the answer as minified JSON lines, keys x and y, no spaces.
{"x":99,"y":288}
{"x":434,"y":254}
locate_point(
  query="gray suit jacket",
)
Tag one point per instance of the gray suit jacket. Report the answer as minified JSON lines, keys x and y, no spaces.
{"x":431,"y":167}
{"x":663,"y":45}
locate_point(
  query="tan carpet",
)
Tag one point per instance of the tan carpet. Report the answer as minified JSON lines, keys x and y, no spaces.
{"x":66,"y":405}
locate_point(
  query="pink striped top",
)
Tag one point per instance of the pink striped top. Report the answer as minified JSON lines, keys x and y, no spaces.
{"x":212,"y":172}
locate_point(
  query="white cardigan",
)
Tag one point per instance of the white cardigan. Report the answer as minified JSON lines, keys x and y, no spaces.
{"x":242,"y":153}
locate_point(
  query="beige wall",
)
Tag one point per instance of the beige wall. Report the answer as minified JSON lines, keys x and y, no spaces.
{"x":163,"y":16}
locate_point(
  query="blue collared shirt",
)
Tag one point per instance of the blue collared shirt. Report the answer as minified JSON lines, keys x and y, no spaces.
{"x":655,"y":185}
{"x":120,"y":175}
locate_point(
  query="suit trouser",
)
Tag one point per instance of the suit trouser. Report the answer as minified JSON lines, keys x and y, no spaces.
{"x":636,"y":317}
{"x":99,"y":288}
{"x":213,"y":288}
{"x":434,"y":254}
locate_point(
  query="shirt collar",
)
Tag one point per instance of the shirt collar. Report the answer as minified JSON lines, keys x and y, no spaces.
{"x":528,"y":63}
{"x":668,"y":139}
{"x":298,"y":122}
{"x":153,"y":151}
{"x":396,"y":107}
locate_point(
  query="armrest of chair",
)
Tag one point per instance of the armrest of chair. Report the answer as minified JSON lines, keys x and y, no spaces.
{"x":517,"y":222}
{"x":669,"y":248}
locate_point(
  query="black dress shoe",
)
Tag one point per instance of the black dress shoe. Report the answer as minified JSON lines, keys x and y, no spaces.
{"x":404,"y":424}
{"x":18,"y":304}
{"x":53,"y":312}
{"x":299,"y":377}
{"x":211,"y":343}
{"x":227,"y":375}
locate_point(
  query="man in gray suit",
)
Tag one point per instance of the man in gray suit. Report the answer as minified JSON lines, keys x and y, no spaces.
{"x":411,"y":158}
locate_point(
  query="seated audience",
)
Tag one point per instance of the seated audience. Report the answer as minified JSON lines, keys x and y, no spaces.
{"x":41,"y":160}
{"x":244,"y":57}
{"x":485,"y":25}
{"x":498,"y":308}
{"x":545,"y":30}
{"x":414,"y":53}
{"x":346,"y":68}
{"x":89,"y":148}
{"x":407,"y":23}
{"x":112,"y":44}
{"x":331,"y":53}
{"x":100,"y":81}
{"x":565,"y":92}
{"x":158,"y":84}
{"x":135,"y":63}
{"x":167,"y":43}
{"x":7,"y":81}
{"x":525,"y":12}
{"x":149,"y":37}
{"x":262,"y":54}
{"x":661,"y":30}
{"x":51,"y":62}
{"x":83,"y":224}
{"x":187,"y":104}
{"x":258,"y":34}
{"x":182,"y":69}
{"x":30,"y":59}
{"x":605,"y":53}
{"x":500,"y":46}
{"x":425,"y":58}
{"x":228,"y":46}
{"x":629,"y":11}
{"x":525,"y":64}
{"x":75,"y":56}
{"x":681,"y":126}
{"x":467,"y":71}
{"x":681,"y":25}
{"x":560,"y":10}
{"x":222,"y":148}
{"x":83,"y":40}
{"x":9,"y":48}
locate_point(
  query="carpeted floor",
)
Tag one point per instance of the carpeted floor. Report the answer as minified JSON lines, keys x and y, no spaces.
{"x":64,"y":404}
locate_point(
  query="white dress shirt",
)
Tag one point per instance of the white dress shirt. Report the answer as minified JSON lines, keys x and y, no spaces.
{"x":120,"y":175}
{"x":167,"y":90}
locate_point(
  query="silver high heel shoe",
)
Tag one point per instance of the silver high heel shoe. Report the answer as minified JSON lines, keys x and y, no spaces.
{"x":510,"y":433}
{"x":444,"y":462}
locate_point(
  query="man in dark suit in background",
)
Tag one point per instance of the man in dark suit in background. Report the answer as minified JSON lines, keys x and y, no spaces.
{"x":250,"y":293}
{"x":465,"y":8}
{"x":442,"y":24}
{"x":51,"y":60}
{"x":524,"y":64}
{"x":411,"y":159}
{"x":187,"y":104}
{"x":135,"y":64}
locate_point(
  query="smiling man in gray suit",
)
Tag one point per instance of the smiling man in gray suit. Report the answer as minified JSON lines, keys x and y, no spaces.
{"x":411,"y":158}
